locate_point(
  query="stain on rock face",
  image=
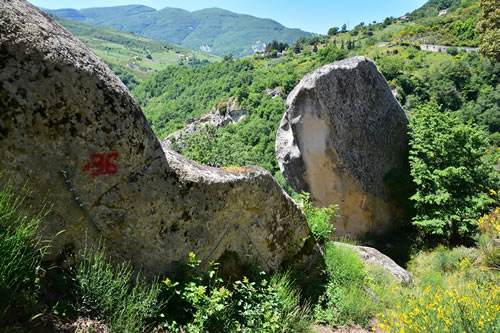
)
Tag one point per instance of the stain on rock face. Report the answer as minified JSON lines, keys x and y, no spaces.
{"x":341,"y":135}
{"x":63,"y":109}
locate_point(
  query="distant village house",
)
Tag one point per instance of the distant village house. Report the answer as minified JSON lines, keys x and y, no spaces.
{"x":443,"y":12}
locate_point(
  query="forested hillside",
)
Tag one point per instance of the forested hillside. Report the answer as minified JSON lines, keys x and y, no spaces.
{"x":464,"y":84}
{"x":213,"y":30}
{"x":133,"y":57}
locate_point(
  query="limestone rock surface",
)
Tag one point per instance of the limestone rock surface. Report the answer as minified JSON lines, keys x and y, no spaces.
{"x":342,"y":133}
{"x":70,"y":126}
{"x":225,"y":113}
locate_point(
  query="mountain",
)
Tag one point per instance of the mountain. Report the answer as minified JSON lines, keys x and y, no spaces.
{"x":131,"y":57}
{"x":212,"y":30}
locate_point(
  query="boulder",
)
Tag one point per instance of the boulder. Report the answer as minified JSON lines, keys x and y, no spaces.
{"x":374,"y":257}
{"x":342,"y":134}
{"x":71,"y":129}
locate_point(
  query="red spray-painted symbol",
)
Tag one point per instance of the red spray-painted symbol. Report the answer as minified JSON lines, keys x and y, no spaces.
{"x":102,"y":164}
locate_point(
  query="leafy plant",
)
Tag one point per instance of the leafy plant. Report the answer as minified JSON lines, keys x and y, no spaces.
{"x":320,"y":220}
{"x":487,"y":30}
{"x":246,"y":306}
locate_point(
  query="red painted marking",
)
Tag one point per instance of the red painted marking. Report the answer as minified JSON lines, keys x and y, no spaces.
{"x":102,"y":164}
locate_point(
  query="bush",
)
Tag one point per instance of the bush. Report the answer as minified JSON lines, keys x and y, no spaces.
{"x":320,"y":220}
{"x":111,"y":294}
{"x":20,"y":256}
{"x":452,"y":51}
{"x":467,"y":301}
{"x":330,"y":54}
{"x":209,"y":306}
{"x":488,"y":239}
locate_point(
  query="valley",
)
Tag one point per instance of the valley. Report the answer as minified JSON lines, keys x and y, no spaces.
{"x":209,"y":171}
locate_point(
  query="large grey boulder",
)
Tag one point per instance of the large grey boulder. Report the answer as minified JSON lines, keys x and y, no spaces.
{"x":342,"y":133}
{"x":72,"y":129}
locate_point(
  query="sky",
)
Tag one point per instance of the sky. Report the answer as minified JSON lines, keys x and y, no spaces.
{"x":309,"y":15}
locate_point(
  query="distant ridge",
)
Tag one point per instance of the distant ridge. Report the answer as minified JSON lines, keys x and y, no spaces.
{"x":212,"y":30}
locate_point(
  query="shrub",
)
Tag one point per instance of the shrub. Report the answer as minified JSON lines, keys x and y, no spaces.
{"x":209,"y":306}
{"x":452,"y":51}
{"x":467,"y":302}
{"x":488,"y":239}
{"x":320,"y":220}
{"x":20,"y":255}
{"x":331,"y":53}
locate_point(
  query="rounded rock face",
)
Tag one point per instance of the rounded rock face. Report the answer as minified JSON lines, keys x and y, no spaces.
{"x":71,"y":129}
{"x":342,"y":133}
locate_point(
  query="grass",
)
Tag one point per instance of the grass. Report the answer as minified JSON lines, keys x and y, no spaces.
{"x":111,"y":294}
{"x":21,"y":254}
{"x":346,"y":299}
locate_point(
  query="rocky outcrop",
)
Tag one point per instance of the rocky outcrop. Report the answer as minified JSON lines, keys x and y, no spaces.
{"x":373,"y":257}
{"x":342,"y":133}
{"x":225,"y":113}
{"x":68,"y":125}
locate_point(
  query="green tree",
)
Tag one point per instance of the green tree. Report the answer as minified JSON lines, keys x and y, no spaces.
{"x":297,"y":48}
{"x":344,"y":27}
{"x":449,"y":172}
{"x":333,"y":31}
{"x":330,"y":54}
{"x":488,"y":30}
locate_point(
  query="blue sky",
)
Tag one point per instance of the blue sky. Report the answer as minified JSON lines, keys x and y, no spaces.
{"x":312,"y":15}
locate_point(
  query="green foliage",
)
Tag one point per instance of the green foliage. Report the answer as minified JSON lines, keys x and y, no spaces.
{"x":111,"y":294}
{"x":276,"y":46}
{"x":330,"y":54}
{"x":463,"y":30}
{"x":20,"y":256}
{"x":209,"y":306}
{"x":468,"y":85}
{"x":446,"y":158}
{"x":333,"y":31}
{"x":488,"y":238}
{"x":452,"y":51}
{"x":345,"y":300}
{"x":320,"y":220}
{"x":488,"y":30}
